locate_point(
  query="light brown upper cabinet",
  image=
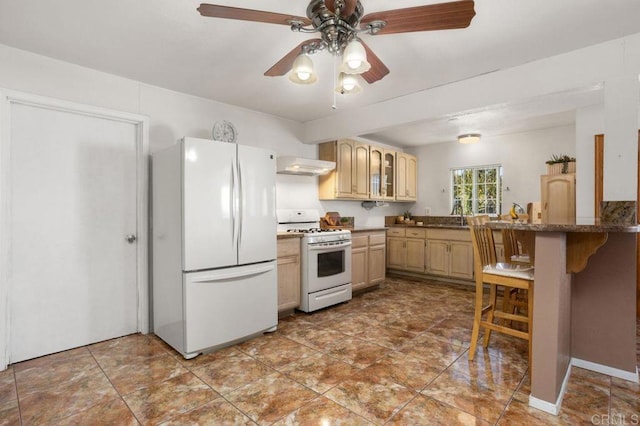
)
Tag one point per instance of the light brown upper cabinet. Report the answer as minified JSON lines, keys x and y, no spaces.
{"x":407,"y":177}
{"x":365,"y":172}
{"x":558,"y":194}
{"x":350,"y":179}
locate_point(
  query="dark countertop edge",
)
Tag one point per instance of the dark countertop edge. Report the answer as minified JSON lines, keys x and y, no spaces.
{"x":563,"y":228}
{"x":368,"y":228}
{"x":285,"y":235}
{"x":432,"y":226}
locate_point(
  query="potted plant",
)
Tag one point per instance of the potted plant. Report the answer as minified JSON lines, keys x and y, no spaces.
{"x":561,"y":164}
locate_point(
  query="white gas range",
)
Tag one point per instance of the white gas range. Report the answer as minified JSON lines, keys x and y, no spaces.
{"x":326,"y":259}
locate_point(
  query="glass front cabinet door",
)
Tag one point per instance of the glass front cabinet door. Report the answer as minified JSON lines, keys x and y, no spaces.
{"x":376,"y":172}
{"x":389,"y":175}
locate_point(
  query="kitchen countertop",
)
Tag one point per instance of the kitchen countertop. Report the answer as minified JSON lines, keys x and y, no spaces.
{"x":563,"y":228}
{"x":431,"y":225}
{"x":368,"y":228}
{"x":284,"y":235}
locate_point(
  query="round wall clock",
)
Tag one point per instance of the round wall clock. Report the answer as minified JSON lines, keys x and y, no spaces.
{"x":224,"y":131}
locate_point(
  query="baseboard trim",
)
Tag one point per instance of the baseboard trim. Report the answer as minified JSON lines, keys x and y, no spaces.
{"x":549,"y":407}
{"x":609,"y":371}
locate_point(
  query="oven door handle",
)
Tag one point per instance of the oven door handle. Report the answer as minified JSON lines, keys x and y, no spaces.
{"x":312,"y":247}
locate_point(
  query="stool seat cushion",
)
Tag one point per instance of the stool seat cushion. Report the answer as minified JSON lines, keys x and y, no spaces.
{"x":509,"y":270}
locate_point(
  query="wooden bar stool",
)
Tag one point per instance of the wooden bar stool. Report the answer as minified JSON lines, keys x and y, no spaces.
{"x":512,"y":251}
{"x":497,"y":276}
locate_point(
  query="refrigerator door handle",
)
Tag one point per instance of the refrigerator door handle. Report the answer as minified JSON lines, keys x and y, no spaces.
{"x":236,"y":201}
{"x":225,"y":274}
{"x":241,"y":204}
{"x":232,"y":207}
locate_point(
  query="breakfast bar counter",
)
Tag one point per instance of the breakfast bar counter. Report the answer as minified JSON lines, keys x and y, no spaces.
{"x":584,"y":303}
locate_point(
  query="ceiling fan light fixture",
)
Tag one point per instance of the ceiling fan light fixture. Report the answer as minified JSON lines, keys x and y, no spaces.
{"x":354,"y":58}
{"x":302,"y":70}
{"x":348,"y":84}
{"x":469,"y":138}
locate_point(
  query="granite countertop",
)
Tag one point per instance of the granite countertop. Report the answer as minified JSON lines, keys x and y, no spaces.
{"x":431,"y":225}
{"x":368,"y":228}
{"x":496,"y":224}
{"x":283,"y":235}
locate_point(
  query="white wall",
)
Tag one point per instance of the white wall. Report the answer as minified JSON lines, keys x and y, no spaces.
{"x":173,"y":115}
{"x":522,"y":156}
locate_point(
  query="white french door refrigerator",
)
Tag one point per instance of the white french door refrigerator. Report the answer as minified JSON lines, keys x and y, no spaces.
{"x":214,"y":244}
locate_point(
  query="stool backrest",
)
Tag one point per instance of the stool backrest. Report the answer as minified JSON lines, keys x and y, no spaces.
{"x":484,"y":248}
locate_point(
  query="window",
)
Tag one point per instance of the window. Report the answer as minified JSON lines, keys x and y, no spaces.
{"x":477,"y":189}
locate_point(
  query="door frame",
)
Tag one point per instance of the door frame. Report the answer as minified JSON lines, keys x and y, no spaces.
{"x":8,"y":98}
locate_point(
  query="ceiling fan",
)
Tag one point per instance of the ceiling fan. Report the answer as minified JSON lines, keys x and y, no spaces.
{"x":339,"y":24}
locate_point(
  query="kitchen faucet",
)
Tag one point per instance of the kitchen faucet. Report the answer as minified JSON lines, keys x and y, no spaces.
{"x":457,"y":209}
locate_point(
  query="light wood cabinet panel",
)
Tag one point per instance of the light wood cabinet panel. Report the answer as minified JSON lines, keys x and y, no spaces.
{"x":460,"y":259}
{"x":377,"y":270}
{"x":359,"y":267}
{"x":558,"y":196}
{"x":415,"y":254}
{"x":367,"y":259}
{"x":361,"y":171}
{"x":437,"y":251}
{"x":407,"y":177}
{"x":345,"y":168}
{"x":288,"y":274}
{"x":350,"y":179}
{"x":396,"y":253}
{"x":396,"y":232}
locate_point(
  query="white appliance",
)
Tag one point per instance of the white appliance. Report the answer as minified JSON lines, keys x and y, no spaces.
{"x":214,"y":244}
{"x":326,"y":259}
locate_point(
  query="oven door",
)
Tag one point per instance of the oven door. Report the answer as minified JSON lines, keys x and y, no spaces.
{"x":329,"y":265}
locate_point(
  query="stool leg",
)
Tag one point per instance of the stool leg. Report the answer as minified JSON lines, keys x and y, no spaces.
{"x":493,"y":298}
{"x":477,"y":317}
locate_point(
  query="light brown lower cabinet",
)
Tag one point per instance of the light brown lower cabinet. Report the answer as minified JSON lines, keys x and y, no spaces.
{"x":406,"y":249}
{"x":450,"y":253}
{"x":367,"y":259}
{"x":288,"y":274}
{"x":431,"y":251}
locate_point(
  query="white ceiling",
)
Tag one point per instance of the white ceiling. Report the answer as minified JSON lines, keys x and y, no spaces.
{"x":167,"y":43}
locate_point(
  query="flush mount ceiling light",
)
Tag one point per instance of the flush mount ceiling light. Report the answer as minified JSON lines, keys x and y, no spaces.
{"x":469,"y":138}
{"x":339,"y":24}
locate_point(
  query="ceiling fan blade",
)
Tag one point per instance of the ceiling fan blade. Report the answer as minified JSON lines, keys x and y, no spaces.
{"x":347,"y":10}
{"x":216,"y":11}
{"x":441,"y":16}
{"x":284,"y":65}
{"x":377,"y":71}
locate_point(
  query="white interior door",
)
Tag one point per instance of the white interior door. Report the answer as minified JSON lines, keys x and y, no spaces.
{"x":72,"y":202}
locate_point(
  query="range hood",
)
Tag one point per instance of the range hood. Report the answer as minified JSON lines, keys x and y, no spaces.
{"x":304,"y":166}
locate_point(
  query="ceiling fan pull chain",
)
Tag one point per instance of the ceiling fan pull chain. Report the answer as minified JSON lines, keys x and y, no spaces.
{"x":335,"y":76}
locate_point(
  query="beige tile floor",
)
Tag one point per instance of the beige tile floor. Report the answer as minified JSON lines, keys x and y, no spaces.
{"x":396,"y":355}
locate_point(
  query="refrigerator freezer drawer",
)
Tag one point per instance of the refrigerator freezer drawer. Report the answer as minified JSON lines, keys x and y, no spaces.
{"x":225,"y":305}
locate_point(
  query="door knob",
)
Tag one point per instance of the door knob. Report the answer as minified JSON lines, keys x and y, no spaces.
{"x":131,"y":238}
